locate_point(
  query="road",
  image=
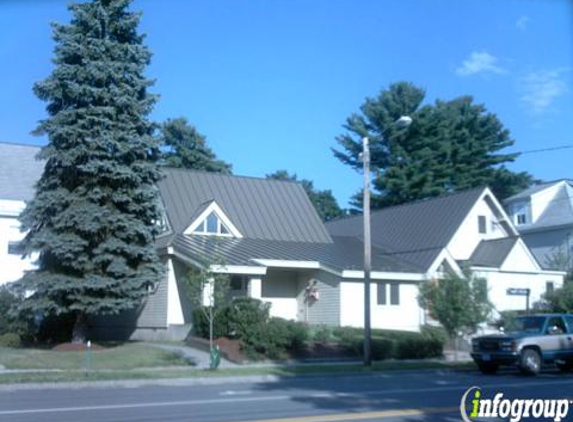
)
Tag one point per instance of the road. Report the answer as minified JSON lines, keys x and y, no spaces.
{"x":421,"y":396}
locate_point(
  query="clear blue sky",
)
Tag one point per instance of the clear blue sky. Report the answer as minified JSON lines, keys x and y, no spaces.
{"x":270,"y":83}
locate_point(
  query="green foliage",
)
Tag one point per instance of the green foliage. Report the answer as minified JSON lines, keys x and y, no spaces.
{"x":394,"y":344}
{"x":185,"y":147}
{"x":10,"y":340}
{"x":459,"y":303}
{"x":246,"y":315}
{"x":322,"y":333}
{"x":561,"y":299}
{"x":220,"y":324}
{"x":93,"y":218}
{"x":450,"y":146}
{"x":323,"y":200}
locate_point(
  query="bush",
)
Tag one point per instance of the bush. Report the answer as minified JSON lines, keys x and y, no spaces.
{"x":418,"y":348}
{"x":323,"y":333}
{"x":246,"y":314}
{"x":274,"y":338}
{"x":220,"y":323}
{"x":10,"y":340}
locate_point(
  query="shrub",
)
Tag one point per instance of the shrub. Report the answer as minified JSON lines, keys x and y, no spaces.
{"x":10,"y":340}
{"x":245,"y":314}
{"x":220,"y":323}
{"x":347,"y":334}
{"x":323,"y":333}
{"x":418,"y":348}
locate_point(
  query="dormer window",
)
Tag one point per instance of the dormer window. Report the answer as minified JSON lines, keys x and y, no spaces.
{"x":212,"y":225}
{"x":520,"y":213}
{"x":212,"y":221}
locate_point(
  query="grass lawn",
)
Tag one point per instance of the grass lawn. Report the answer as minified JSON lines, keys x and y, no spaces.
{"x":123,"y":357}
{"x":282,"y":371}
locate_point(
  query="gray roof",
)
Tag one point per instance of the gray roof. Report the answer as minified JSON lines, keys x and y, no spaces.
{"x":259,"y":208}
{"x":492,"y":253}
{"x":525,"y":194}
{"x":344,"y":253}
{"x":415,"y":232}
{"x":19,"y":171}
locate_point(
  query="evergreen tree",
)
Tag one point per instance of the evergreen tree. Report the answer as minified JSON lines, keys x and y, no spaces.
{"x":323,"y":200}
{"x":450,"y":146}
{"x":187,"y":148}
{"x":93,"y":217}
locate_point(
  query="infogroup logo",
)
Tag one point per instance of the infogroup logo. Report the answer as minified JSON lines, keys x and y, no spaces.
{"x":513,"y":410}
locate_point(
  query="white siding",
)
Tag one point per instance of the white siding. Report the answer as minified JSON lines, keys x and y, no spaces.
{"x":466,"y":239}
{"x":13,"y":266}
{"x":540,"y":200}
{"x":406,"y":316}
{"x":519,"y":260}
{"x":174,"y":309}
{"x":499,"y":282}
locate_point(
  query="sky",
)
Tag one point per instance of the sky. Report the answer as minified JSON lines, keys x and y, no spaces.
{"x":271,"y":83}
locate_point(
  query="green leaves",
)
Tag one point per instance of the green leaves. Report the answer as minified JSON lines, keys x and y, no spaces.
{"x":186,"y":148}
{"x":92,"y":220}
{"x":450,"y":146}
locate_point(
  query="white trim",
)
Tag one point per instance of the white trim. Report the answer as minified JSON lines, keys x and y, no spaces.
{"x":497,"y":270}
{"x":505,"y":217}
{"x":283,"y":263}
{"x":527,"y":252}
{"x":238,"y":269}
{"x":174,"y":309}
{"x":444,"y":255}
{"x":213,"y":207}
{"x":377,"y":275}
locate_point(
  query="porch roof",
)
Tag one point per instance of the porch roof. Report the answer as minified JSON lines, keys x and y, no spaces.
{"x":345,"y":253}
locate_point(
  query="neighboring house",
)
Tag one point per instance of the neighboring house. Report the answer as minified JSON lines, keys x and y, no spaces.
{"x":267,"y":236}
{"x":543,"y":215}
{"x":19,"y":172}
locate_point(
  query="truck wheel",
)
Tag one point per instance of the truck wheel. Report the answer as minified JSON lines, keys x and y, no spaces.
{"x":530,"y":362}
{"x":488,"y":368}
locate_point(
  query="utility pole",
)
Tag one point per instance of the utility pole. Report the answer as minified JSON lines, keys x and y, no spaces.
{"x":367,"y":252}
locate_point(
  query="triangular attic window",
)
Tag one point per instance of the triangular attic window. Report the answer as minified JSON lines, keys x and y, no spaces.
{"x":212,"y":225}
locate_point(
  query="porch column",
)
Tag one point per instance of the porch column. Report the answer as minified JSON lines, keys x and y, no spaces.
{"x":255,"y":288}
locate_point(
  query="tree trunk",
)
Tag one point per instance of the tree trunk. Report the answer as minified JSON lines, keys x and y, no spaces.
{"x":80,"y":330}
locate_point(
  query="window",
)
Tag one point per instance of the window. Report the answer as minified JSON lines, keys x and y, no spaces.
{"x":521,"y":219}
{"x":394,"y":294}
{"x":382,"y":293}
{"x":212,"y":225}
{"x":482,"y":224}
{"x":15,"y":248}
{"x":237,"y":283}
{"x":519,"y":212}
{"x":549,"y":287}
{"x":556,"y":325}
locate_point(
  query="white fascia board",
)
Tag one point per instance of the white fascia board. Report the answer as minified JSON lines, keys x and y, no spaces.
{"x":238,"y":269}
{"x":488,"y":192}
{"x":213,"y":207}
{"x":497,"y":270}
{"x":444,"y":256}
{"x":377,"y":275}
{"x":184,"y":258}
{"x":288,"y":263}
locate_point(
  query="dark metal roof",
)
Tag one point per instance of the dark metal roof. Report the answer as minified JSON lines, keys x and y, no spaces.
{"x":259,"y":208}
{"x":492,"y":253}
{"x":343,"y":253}
{"x":19,"y":171}
{"x":417,"y":231}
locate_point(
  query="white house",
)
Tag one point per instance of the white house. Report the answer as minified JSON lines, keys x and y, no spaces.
{"x":543,"y":215}
{"x":18,"y":173}
{"x":268,"y":237}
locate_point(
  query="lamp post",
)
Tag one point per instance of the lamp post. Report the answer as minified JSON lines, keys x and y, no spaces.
{"x":402,"y":122}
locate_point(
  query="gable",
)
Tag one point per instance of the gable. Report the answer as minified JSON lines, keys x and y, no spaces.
{"x":485,"y":215}
{"x":520,"y":259}
{"x":258,"y":208}
{"x":212,"y":221}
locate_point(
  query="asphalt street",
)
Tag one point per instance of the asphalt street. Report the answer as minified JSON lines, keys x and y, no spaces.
{"x":425,"y":396}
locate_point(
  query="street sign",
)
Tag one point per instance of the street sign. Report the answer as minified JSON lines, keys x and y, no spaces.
{"x":518,"y":292}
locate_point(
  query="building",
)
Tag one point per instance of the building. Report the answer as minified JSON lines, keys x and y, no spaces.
{"x":543,"y":215}
{"x":18,"y":173}
{"x":268,"y":237}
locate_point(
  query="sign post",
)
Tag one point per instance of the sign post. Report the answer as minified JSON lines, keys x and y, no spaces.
{"x":520,"y":292}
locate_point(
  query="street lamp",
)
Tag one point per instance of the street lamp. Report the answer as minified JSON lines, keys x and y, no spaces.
{"x":402,"y":122}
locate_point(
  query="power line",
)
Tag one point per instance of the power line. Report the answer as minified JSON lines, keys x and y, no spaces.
{"x":535,"y":151}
